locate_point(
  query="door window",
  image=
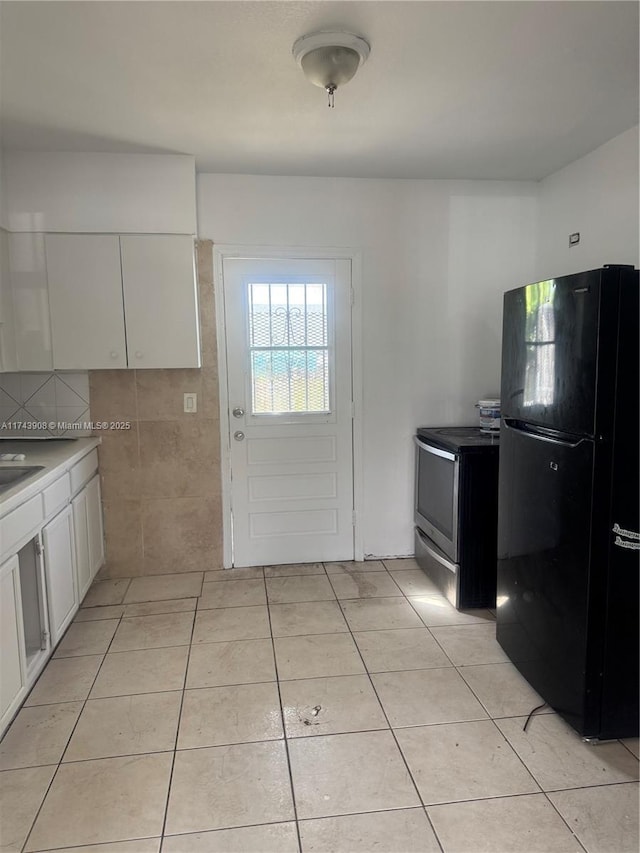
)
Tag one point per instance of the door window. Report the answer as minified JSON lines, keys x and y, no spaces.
{"x":289,"y":348}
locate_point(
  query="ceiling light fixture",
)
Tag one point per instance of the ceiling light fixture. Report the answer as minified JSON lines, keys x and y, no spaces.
{"x":330,"y":59}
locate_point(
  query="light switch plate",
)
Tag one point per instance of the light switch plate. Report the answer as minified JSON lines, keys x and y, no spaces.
{"x":191,"y":403}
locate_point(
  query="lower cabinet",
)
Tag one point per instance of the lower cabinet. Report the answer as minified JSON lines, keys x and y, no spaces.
{"x":42,"y":585}
{"x":89,"y":538}
{"x":60,"y":572}
{"x":35,"y":620}
{"x":12,"y":665}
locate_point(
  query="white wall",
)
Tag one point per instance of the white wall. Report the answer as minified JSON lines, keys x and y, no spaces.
{"x":437,"y":256}
{"x":94,"y":192}
{"x":596,"y":195}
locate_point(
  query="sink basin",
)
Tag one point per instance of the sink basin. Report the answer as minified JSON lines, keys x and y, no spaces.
{"x":10,"y":476}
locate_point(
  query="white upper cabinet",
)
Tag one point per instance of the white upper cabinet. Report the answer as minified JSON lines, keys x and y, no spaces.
{"x":8,"y":352}
{"x":160,"y":304}
{"x":85,"y":294}
{"x":120,"y":302}
{"x":111,"y":193}
{"x":30,"y":297}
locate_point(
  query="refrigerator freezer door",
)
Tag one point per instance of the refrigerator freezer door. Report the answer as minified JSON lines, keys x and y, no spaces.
{"x":549,"y":355}
{"x":543,"y":564}
{"x":620,"y":689}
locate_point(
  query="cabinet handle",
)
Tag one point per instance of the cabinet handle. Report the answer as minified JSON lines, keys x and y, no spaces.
{"x":113,"y":354}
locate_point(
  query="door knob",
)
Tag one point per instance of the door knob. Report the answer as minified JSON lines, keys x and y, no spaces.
{"x":238,"y":412}
{"x":238,"y":435}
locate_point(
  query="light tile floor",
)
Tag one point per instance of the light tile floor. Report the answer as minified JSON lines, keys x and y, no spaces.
{"x":338,"y":708}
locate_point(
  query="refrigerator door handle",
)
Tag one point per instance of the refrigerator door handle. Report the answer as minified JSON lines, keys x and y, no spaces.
{"x":625,"y":543}
{"x":630,"y":534}
{"x":626,"y":538}
{"x":512,"y":424}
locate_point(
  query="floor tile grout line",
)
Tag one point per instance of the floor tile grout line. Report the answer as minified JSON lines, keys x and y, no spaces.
{"x":284,"y":727}
{"x":533,"y":775}
{"x":97,"y":845}
{"x":435,"y":639}
{"x":175,"y":745}
{"x":419,"y":808}
{"x":513,"y":749}
{"x":222,"y":829}
{"x":149,"y":648}
{"x":504,"y":737}
{"x":98,"y":699}
{"x":477,"y":697}
{"x":492,"y":718}
{"x":84,"y":704}
{"x":562,"y":818}
{"x":628,"y":748}
{"x":395,"y":740}
{"x":510,"y":796}
{"x":84,"y":606}
{"x":157,"y":692}
{"x":598,"y":784}
{"x":474,"y":694}
{"x":285,"y":736}
{"x":482,"y":705}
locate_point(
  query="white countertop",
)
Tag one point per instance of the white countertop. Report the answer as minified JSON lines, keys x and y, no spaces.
{"x":57,"y":456}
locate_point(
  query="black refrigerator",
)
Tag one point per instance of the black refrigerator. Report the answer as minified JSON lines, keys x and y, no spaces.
{"x":568,"y":541}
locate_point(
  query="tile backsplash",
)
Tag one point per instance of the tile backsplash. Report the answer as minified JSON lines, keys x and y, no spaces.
{"x":161,"y":478}
{"x":44,"y":405}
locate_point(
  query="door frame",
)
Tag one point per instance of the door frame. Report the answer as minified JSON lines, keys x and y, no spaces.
{"x":223,"y":252}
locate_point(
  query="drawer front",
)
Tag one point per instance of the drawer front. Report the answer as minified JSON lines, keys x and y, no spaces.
{"x":438,"y":567}
{"x":56,"y":495}
{"x":83,"y":471}
{"x":17,"y":525}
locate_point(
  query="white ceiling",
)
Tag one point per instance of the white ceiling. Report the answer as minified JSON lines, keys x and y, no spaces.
{"x":497,"y":90}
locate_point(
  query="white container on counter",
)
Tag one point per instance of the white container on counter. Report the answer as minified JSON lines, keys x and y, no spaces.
{"x":489,"y":415}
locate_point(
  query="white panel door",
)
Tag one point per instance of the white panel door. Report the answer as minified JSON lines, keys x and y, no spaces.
{"x":85,"y":294}
{"x":60,"y":572}
{"x":288,"y":339}
{"x":158,"y":276}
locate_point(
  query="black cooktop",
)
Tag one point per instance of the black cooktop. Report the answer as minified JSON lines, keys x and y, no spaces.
{"x":459,"y":439}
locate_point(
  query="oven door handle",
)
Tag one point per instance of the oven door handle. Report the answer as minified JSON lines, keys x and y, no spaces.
{"x":435,"y":450}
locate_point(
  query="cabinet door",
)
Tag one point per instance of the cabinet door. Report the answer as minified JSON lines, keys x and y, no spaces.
{"x":8,"y":352}
{"x":158,"y":275}
{"x":12,"y":663}
{"x":81,"y":538}
{"x":28,"y":273}
{"x":85,"y":293}
{"x":88,"y":534}
{"x":60,"y":572}
{"x":95,"y":528}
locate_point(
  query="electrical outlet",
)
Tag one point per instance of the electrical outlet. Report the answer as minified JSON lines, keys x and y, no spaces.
{"x":191,"y":403}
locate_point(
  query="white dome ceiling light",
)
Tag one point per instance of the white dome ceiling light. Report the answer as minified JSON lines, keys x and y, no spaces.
{"x":330,"y":59}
